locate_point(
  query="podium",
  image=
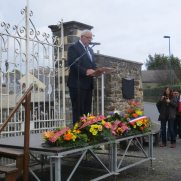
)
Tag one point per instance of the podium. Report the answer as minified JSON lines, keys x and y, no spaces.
{"x":100,"y":73}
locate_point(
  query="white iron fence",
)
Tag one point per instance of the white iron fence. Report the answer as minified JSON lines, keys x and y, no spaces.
{"x":27,"y":57}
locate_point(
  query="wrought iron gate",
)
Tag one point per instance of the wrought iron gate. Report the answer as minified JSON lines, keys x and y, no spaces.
{"x":28,"y":57}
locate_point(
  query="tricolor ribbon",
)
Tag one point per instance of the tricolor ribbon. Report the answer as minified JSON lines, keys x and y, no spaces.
{"x":143,"y":117}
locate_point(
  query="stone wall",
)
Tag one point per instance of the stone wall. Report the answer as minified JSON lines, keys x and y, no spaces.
{"x":113,"y":97}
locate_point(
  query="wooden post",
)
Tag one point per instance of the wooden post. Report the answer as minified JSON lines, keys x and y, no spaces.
{"x":27,"y":136}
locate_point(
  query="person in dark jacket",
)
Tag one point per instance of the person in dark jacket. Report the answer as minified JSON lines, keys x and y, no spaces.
{"x":168,"y":132}
{"x":178,"y":116}
{"x":86,"y":83}
{"x":167,"y":106}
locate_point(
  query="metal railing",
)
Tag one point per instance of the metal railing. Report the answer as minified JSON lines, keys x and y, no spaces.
{"x":27,"y":97}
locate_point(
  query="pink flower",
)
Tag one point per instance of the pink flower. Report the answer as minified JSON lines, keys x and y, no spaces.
{"x":83,"y":118}
{"x":114,"y":133}
{"x":115,"y":127}
{"x":123,"y":127}
{"x":106,"y":125}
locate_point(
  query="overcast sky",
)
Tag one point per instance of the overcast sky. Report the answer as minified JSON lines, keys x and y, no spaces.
{"x":128,"y":29}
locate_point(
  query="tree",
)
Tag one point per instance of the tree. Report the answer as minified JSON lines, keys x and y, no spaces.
{"x":161,"y":62}
{"x":18,"y":73}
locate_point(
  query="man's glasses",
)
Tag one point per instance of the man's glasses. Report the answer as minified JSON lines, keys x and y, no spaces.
{"x":90,"y":38}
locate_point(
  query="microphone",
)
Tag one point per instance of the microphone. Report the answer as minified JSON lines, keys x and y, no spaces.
{"x":93,"y":43}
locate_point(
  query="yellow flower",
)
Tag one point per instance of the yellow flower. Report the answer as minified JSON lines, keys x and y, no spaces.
{"x":91,"y":130}
{"x":103,"y":122}
{"x":96,"y":126}
{"x":139,"y":113}
{"x":100,"y":128}
{"x":69,"y":131}
{"x":139,"y":123}
{"x":77,"y":131}
{"x":76,"y":126}
{"x":73,"y":137}
{"x":134,"y":126}
{"x":94,"y":132}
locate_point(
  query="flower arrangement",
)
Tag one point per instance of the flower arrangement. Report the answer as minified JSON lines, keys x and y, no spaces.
{"x":95,"y":128}
{"x":120,"y":128}
{"x":131,"y":121}
{"x":136,"y":121}
{"x":64,"y":137}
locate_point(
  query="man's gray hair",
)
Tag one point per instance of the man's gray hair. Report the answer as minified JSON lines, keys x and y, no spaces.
{"x":84,"y":32}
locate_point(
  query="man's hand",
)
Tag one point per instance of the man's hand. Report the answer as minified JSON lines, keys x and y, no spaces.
{"x":89,"y":71}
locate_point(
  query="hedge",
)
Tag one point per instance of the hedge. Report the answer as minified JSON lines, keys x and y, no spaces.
{"x":152,"y":94}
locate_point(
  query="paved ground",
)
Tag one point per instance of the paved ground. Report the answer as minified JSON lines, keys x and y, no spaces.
{"x":166,"y":166}
{"x":151,"y":111}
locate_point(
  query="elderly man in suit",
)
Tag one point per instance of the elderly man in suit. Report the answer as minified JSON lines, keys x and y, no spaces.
{"x":86,"y":83}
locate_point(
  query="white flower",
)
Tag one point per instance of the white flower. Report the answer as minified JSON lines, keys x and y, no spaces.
{"x":116,"y":111}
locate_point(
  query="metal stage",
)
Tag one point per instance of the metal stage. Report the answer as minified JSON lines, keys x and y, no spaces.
{"x":55,"y":154}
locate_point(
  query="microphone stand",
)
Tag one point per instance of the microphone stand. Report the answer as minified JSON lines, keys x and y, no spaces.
{"x":78,"y":81}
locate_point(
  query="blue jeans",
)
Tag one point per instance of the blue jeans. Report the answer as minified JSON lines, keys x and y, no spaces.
{"x":168,"y":133}
{"x":170,"y":128}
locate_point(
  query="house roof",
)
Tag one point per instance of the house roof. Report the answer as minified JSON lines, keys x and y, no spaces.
{"x":151,"y":76}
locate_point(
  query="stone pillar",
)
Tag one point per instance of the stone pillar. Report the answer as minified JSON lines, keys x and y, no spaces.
{"x":72,"y":32}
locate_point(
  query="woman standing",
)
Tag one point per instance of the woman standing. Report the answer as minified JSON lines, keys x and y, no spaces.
{"x":167,"y":106}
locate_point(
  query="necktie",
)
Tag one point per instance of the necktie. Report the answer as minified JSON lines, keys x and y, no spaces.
{"x":87,"y":50}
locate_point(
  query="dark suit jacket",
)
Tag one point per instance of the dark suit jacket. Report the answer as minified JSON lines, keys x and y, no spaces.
{"x":86,"y":82}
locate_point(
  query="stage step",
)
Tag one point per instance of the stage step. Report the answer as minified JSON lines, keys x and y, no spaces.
{"x":11,"y":153}
{"x":12,"y":173}
{"x":7,"y":170}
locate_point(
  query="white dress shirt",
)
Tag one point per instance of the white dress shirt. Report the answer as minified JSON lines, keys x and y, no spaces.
{"x":87,"y":50}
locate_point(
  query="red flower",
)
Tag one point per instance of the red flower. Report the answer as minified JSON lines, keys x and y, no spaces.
{"x":130,"y":110}
{"x":126,"y":116}
{"x":141,"y":128}
{"x":133,"y":103}
{"x":80,"y":124}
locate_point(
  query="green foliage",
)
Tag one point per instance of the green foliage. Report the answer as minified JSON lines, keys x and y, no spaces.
{"x":80,"y":141}
{"x":157,"y":91}
{"x":100,"y":136}
{"x":18,"y":73}
{"x":161,"y":62}
{"x":74,"y":140}
{"x":113,"y":117}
